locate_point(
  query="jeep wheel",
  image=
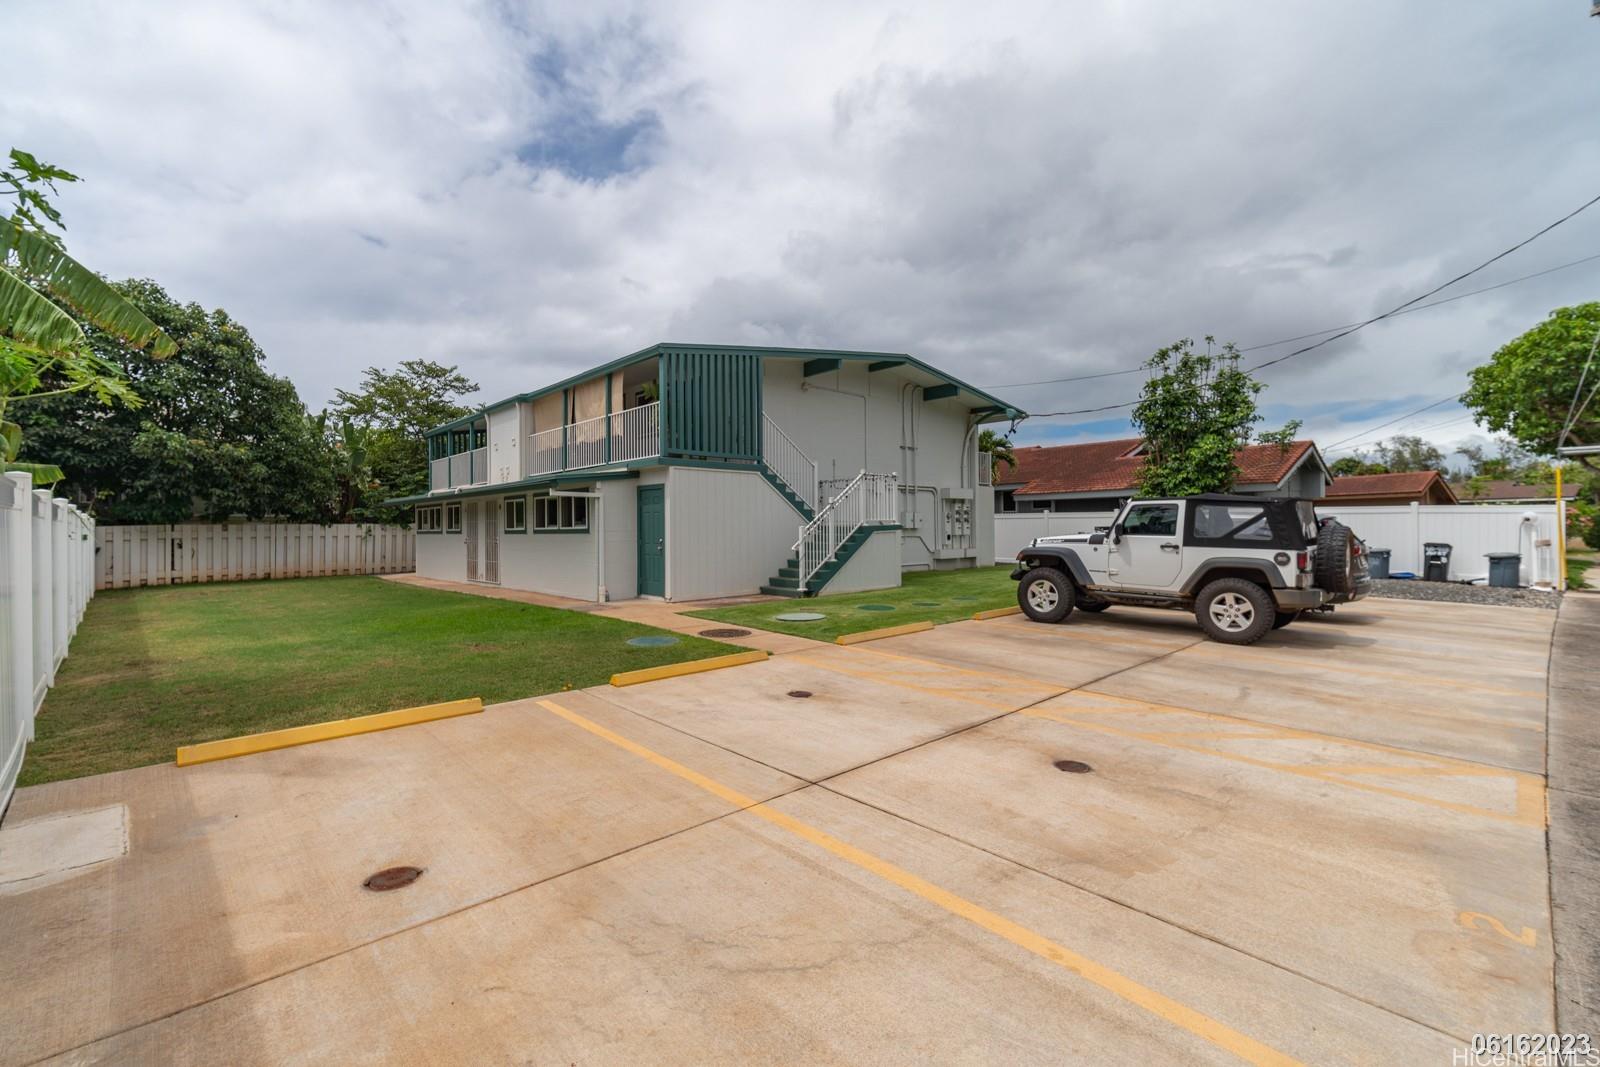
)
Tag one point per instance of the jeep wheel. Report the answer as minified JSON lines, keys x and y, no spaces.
{"x":1235,"y":611}
{"x":1045,"y":595}
{"x":1284,"y":619}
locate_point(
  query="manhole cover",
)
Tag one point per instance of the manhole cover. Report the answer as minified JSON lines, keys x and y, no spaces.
{"x":800,"y":616}
{"x":799,"y":694}
{"x":874,"y":607}
{"x":1072,"y":766}
{"x":654,"y":641}
{"x":725,"y":631}
{"x":392,"y":878}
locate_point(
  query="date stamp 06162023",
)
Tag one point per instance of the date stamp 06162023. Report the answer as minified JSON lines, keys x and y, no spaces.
{"x":1528,"y":1050}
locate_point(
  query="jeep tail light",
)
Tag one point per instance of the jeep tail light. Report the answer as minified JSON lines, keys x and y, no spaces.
{"x":1302,"y":561}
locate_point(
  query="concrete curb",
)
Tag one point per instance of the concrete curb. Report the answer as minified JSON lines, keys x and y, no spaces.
{"x":249,"y":744}
{"x":996,"y":613}
{"x":887,"y":631}
{"x":697,"y":666}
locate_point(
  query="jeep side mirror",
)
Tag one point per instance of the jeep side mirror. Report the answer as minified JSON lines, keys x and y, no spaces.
{"x":1116,"y":534}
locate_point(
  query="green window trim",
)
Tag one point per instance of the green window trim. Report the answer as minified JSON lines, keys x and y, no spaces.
{"x":430,"y":519}
{"x":452,"y":509}
{"x":514,"y":510}
{"x":560,"y":514}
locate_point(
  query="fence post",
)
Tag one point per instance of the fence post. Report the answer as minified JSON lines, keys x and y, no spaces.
{"x":19,"y":562}
{"x":44,"y":674}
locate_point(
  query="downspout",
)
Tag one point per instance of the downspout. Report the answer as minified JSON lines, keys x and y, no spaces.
{"x":601,"y":594}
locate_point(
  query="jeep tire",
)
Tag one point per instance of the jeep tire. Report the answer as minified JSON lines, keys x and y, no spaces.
{"x":1092,"y":605}
{"x":1284,"y":619}
{"x":1336,"y":558}
{"x":1046,"y":595}
{"x":1235,"y":611}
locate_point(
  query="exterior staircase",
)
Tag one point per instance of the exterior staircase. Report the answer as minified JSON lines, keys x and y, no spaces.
{"x":787,"y":581}
{"x":796,"y":501}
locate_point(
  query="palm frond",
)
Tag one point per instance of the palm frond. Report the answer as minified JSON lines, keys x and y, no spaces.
{"x":43,"y":473}
{"x":81,"y":287}
{"x":32,"y":319}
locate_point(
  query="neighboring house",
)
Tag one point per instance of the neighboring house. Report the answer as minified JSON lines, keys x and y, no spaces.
{"x":1409,"y":487}
{"x":1501,"y":491}
{"x":1099,"y":475}
{"x":690,"y":471}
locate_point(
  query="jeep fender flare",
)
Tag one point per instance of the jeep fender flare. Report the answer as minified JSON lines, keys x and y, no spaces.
{"x":1270,"y":575}
{"x":1065,"y":558}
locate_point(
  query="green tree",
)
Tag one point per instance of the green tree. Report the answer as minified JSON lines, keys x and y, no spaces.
{"x":1527,"y":387}
{"x":1283,"y":437}
{"x":43,"y":348}
{"x":1345,"y":466}
{"x":396,"y":408}
{"x":216,"y":436}
{"x":1407,"y":452}
{"x":1195,"y":413}
{"x":999,"y":448}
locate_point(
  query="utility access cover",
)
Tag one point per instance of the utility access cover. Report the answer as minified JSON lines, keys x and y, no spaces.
{"x":800,"y":616}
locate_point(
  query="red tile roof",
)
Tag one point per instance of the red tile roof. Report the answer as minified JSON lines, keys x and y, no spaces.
{"x":1405,"y":483}
{"x":1112,"y":466}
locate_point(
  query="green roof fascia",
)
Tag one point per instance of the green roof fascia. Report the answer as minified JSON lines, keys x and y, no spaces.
{"x":1011,"y":411}
{"x":553,"y":480}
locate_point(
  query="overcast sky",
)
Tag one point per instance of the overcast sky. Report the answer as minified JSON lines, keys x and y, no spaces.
{"x":1013,"y":192}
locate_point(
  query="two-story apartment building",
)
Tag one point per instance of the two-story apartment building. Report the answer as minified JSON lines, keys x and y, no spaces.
{"x":694,"y":471}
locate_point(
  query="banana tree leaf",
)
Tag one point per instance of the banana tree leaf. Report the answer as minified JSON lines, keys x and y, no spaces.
{"x":81,"y":287}
{"x":43,"y":473}
{"x":30,"y":318}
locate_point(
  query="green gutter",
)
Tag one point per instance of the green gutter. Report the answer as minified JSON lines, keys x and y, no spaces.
{"x":553,"y":480}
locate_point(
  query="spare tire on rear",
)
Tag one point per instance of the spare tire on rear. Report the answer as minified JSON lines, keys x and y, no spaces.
{"x":1336,"y":558}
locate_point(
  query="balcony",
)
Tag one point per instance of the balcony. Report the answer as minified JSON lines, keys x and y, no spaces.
{"x":461,"y":469}
{"x":617,"y":438}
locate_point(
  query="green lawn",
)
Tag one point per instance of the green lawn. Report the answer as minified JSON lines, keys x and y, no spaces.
{"x":1579,"y":561}
{"x":152,"y":669}
{"x":937,"y":596}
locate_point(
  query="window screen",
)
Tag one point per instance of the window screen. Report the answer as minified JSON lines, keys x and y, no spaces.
{"x":1231,"y":522}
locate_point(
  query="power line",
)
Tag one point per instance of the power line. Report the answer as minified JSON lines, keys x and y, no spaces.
{"x":1391,"y":422}
{"x":1416,"y":431}
{"x":1318,"y":333}
{"x":1368,"y":322}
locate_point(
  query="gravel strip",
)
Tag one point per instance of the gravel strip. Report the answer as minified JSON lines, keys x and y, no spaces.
{"x":1455,"y":593}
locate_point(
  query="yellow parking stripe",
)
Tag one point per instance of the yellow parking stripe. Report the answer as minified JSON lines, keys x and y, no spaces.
{"x":1157,"y":1004}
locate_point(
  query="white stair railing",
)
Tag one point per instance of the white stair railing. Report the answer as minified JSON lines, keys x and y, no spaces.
{"x":785,"y":459}
{"x":866,"y":500}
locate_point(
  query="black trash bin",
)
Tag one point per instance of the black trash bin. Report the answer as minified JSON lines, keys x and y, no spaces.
{"x":1436,"y":561}
{"x":1378,"y":562}
{"x":1505,"y":569}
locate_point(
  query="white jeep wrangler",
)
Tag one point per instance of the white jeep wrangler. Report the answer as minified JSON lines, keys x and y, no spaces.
{"x":1243,"y":564}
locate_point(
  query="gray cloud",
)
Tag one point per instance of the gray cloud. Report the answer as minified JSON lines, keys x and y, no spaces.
{"x":1016,"y":192}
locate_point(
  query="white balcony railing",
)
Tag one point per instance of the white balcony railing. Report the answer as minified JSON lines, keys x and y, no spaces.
{"x":615,"y":438}
{"x":463,"y":468}
{"x":439,"y":473}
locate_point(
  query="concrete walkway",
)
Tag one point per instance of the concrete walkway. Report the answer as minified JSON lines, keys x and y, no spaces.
{"x":1574,"y":791}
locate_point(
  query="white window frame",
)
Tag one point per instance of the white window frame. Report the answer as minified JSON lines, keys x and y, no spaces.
{"x":519,"y":506}
{"x":430,"y":519}
{"x":450,"y":509}
{"x":560,"y":514}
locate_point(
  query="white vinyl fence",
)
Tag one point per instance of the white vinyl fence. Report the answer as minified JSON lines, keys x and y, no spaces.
{"x":1472,"y":530}
{"x":1015,"y":530}
{"x":200,"y":552}
{"x":46,"y":580}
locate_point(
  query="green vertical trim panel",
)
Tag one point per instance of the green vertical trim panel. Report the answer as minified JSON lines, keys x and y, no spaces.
{"x":711,"y":404}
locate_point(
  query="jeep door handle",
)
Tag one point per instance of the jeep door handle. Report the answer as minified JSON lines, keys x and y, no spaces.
{"x":1169,"y":546}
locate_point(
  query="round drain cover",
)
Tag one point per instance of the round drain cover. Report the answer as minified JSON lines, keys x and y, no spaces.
{"x":874,"y":607}
{"x":1072,"y":766}
{"x":800,"y":616}
{"x":653,"y":641}
{"x":724,"y":631}
{"x":392,"y":878}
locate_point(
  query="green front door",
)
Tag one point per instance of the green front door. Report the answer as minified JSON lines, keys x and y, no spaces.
{"x":652,"y":540}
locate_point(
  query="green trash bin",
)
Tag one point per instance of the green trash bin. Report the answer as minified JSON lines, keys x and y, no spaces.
{"x":1505,"y":569}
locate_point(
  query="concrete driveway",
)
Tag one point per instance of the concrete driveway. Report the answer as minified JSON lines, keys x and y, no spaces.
{"x":990,"y":842}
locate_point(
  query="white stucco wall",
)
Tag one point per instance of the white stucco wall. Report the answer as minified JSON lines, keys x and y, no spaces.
{"x":563,"y":564}
{"x":876,"y":565}
{"x":442,"y":556}
{"x":727,"y":533}
{"x":505,"y":444}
